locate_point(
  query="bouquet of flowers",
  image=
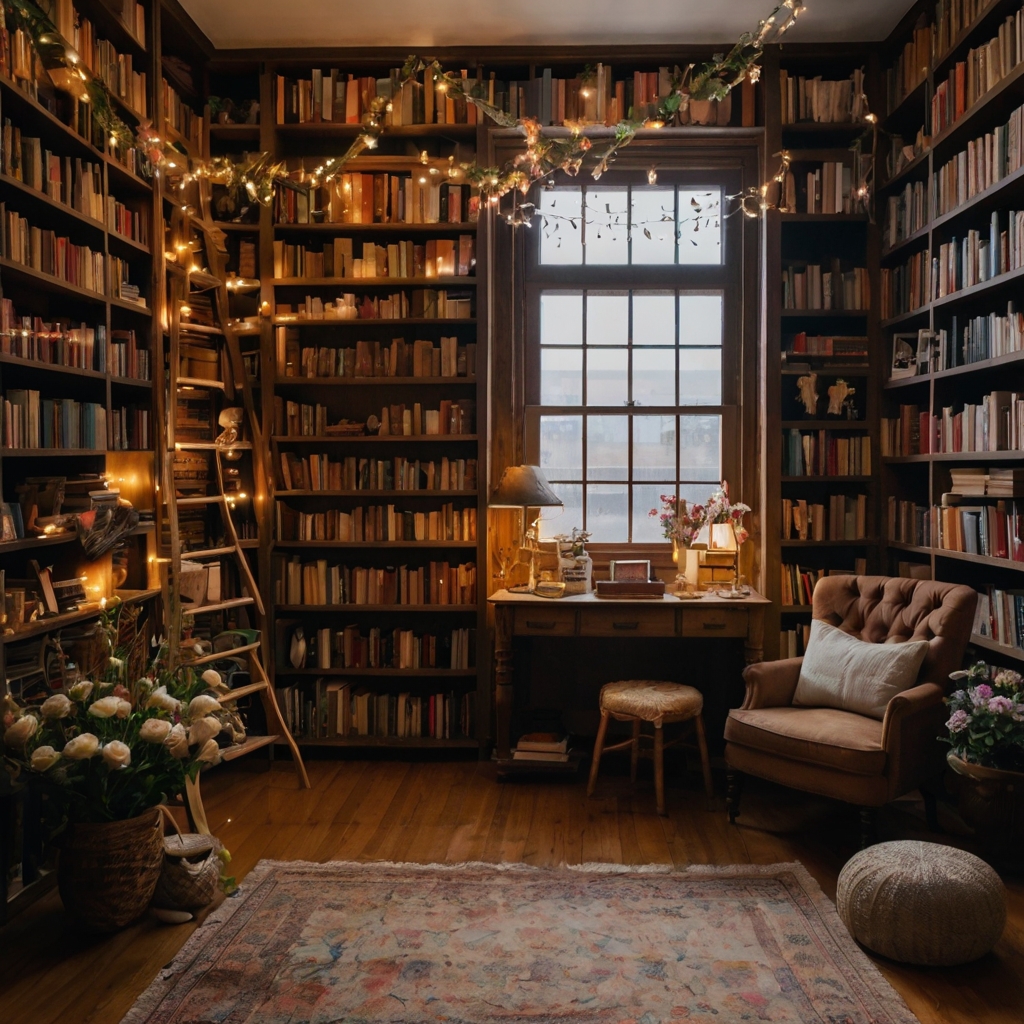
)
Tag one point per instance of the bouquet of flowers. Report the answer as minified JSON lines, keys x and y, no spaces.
{"x":681,"y":522}
{"x":719,"y":510}
{"x":986,"y":721}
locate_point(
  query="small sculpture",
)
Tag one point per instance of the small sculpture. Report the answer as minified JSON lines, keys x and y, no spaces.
{"x":808,"y":388}
{"x":231,"y":420}
{"x":838,"y":393}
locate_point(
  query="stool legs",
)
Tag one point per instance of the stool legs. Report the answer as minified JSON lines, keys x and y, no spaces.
{"x":634,"y":753}
{"x":598,"y":747}
{"x":659,"y":768}
{"x":705,"y":763}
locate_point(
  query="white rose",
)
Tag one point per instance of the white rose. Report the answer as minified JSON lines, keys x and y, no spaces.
{"x":203,"y":729}
{"x":81,"y":690}
{"x":202,"y":705}
{"x":124,"y":708}
{"x":155,"y":730}
{"x":212,"y":678}
{"x":117,"y":754}
{"x":105,"y":707}
{"x":161,"y":699}
{"x":44,"y":758}
{"x":81,"y":748}
{"x":57,"y":706}
{"x":176,"y":741}
{"x":21,"y":732}
{"x":210,"y":753}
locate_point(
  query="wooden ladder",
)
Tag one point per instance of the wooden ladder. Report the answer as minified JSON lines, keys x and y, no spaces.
{"x":186,"y":282}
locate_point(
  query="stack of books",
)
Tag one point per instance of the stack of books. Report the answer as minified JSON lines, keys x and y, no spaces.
{"x":542,"y":746}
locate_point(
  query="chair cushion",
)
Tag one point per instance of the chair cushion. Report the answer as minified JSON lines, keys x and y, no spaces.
{"x":823,"y":736}
{"x":841,"y":671}
{"x":650,"y":700}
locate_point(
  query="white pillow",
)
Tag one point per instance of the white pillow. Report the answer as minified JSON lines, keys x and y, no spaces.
{"x":840,"y":671}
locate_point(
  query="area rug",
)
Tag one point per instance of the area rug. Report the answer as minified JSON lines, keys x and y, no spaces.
{"x":495,"y":944}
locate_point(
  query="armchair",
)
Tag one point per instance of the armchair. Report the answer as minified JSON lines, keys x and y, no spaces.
{"x":841,"y":754}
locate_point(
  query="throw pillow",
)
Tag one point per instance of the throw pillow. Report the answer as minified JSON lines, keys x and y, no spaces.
{"x":840,"y":671}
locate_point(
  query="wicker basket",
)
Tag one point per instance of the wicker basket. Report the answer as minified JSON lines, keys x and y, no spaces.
{"x":107,"y":871}
{"x":190,"y":872}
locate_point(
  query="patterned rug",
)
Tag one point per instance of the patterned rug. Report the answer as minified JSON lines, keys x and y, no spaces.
{"x":495,"y":944}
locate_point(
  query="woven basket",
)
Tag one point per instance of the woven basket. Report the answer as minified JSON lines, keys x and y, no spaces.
{"x":107,"y":871}
{"x":190,"y":871}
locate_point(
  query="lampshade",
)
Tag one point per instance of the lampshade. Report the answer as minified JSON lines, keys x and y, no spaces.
{"x":523,"y":487}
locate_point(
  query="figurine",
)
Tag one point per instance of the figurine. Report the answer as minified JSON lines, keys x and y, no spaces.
{"x":838,"y":393}
{"x":808,"y":388}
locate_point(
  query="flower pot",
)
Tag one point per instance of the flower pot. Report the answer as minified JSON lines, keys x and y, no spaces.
{"x":703,"y":111}
{"x":107,"y":871}
{"x":725,"y":110}
{"x":991,"y":801}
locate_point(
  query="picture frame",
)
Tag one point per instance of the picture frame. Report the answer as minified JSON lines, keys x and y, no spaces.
{"x":904,"y":355}
{"x":8,"y":526}
{"x":46,"y":591}
{"x":631,"y":571}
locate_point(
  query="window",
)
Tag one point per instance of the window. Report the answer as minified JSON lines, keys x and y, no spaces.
{"x":630,"y":331}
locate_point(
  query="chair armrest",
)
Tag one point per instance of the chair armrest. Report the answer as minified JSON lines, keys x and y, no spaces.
{"x":910,"y":731}
{"x":771,"y":684}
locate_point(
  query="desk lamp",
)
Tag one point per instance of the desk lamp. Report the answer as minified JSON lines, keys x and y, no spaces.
{"x":525,"y":487}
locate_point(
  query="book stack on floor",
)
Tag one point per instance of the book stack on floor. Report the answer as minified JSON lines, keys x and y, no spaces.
{"x":542,"y":748}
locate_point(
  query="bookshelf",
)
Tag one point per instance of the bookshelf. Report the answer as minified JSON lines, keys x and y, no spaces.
{"x":949,"y":419}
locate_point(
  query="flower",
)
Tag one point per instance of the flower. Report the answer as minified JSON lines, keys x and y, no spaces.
{"x":176,"y":741}
{"x":154,"y":730}
{"x":203,"y":729}
{"x":105,"y":707}
{"x":1001,"y":705}
{"x":117,"y":754}
{"x":43,"y":758}
{"x":980,"y":694}
{"x":81,"y":690}
{"x":57,"y":706}
{"x":162,"y":700}
{"x":958,"y":721}
{"x":82,"y":747}
{"x":209,"y":753}
{"x":202,"y":705}
{"x":22,"y":731}
{"x":124,"y":708}
{"x":1007,"y":679}
{"x":212,"y":677}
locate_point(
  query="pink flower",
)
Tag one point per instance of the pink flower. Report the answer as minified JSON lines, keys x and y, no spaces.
{"x":1000,"y":705}
{"x":958,"y":721}
{"x":981,"y":694}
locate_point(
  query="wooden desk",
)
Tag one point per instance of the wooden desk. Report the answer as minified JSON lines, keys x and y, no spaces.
{"x":585,"y":615}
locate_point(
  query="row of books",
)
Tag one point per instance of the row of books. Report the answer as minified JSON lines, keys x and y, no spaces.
{"x":436,"y":583}
{"x":49,"y":253}
{"x":375,"y":198}
{"x":979,"y":257}
{"x":56,"y":342}
{"x":984,"y":67}
{"x":798,"y":582}
{"x":119,"y":283}
{"x":899,"y":153}
{"x":987,"y":160}
{"x":821,"y":100}
{"x":810,"y":287}
{"x":994,"y":481}
{"x":117,"y":70}
{"x":826,"y":189}
{"x":845,"y":518}
{"x":127,"y":222}
{"x":350,"y":648}
{"x":128,"y":358}
{"x":415,"y":304}
{"x":793,"y":642}
{"x":904,"y":288}
{"x":846,"y":350}
{"x":76,"y":29}
{"x":950,"y":19}
{"x":179,"y":116}
{"x":910,"y":67}
{"x":905,"y":214}
{"x":421,"y":358}
{"x":321,"y":473}
{"x":437,"y":257}
{"x":824,"y":453}
{"x":337,"y":710}
{"x":995,"y":424}
{"x":908,"y":522}
{"x":999,"y":615}
{"x":993,"y":531}
{"x":981,"y":338}
{"x":454,"y":416}
{"x":130,"y":428}
{"x":30,"y":421}
{"x":73,"y":182}
{"x":377,"y":523}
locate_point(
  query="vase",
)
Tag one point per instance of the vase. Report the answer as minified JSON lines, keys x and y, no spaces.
{"x":724,"y":111}
{"x":991,"y":801}
{"x":107,"y":870}
{"x":688,"y":560}
{"x":703,"y":111}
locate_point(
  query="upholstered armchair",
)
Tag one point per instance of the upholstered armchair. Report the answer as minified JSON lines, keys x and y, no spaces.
{"x":841,"y":754}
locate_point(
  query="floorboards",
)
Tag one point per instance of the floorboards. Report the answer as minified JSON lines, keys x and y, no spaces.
{"x":456,"y":811}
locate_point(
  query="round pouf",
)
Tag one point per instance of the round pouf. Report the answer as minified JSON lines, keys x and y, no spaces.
{"x":922,"y":903}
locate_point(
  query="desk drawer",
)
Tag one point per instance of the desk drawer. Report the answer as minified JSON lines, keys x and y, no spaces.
{"x":545,"y":621}
{"x":714,"y":622}
{"x":628,"y":621}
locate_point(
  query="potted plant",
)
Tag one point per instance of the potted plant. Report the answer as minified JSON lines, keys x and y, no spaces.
{"x":985,"y":731}
{"x":106,"y":753}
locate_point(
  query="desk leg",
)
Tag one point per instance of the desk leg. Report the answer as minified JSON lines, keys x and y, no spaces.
{"x":503,"y":680}
{"x":753,"y":649}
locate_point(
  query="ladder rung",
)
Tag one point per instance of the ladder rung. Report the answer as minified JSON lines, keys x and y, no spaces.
{"x":206,"y":499}
{"x":219,"y":655}
{"x":199,"y":382}
{"x":209,"y":446}
{"x":206,"y":609}
{"x":251,"y":743}
{"x":242,"y":691}
{"x":209,"y":553}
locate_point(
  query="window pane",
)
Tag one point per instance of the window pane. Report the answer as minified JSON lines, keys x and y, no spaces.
{"x":607,"y":226}
{"x":700,"y":226}
{"x":561,"y":318}
{"x":562,"y":520}
{"x":654,"y":318}
{"x":652,"y":225}
{"x":561,"y":376}
{"x":700,"y":448}
{"x":607,"y":513}
{"x":561,"y":238}
{"x":700,"y":376}
{"x":607,"y":447}
{"x":647,"y":528}
{"x":607,"y":376}
{"x":654,"y":376}
{"x":654,"y":448}
{"x":607,"y":318}
{"x":700,"y":319}
{"x":561,"y":448}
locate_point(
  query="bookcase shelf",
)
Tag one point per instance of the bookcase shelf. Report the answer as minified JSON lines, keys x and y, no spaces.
{"x":333,"y":228}
{"x":373,"y":282}
{"x":378,"y":382}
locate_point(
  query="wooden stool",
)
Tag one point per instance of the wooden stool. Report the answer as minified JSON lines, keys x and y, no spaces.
{"x":647,"y":700}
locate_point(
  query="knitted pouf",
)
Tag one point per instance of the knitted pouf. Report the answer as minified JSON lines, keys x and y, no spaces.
{"x":922,"y":903}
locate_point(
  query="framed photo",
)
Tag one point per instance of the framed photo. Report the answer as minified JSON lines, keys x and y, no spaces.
{"x":8,"y":527}
{"x":904,"y":356}
{"x":630,"y":571}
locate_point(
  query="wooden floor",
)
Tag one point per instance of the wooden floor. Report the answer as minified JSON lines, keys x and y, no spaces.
{"x":450,"y":812}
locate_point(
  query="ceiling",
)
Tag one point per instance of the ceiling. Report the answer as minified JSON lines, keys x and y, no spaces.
{"x":415,"y":23}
